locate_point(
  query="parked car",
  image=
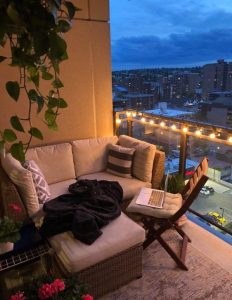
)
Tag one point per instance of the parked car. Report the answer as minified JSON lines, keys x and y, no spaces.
{"x":210,"y":189}
{"x":218,"y":218}
{"x":205,"y":191}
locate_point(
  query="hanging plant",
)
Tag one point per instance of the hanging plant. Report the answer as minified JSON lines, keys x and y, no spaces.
{"x":34,"y":31}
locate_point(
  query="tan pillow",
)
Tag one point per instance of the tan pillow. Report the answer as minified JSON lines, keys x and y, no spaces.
{"x":143,"y":157}
{"x":22,"y":178}
{"x":90,"y":155}
{"x":120,"y":161}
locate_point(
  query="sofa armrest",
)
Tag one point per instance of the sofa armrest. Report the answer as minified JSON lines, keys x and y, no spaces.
{"x":10,"y":195}
{"x":158,"y":169}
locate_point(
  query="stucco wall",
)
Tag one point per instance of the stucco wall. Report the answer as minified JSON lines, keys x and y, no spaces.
{"x":86,"y":77}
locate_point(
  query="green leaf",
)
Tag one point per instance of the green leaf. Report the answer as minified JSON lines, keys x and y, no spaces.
{"x":17,"y":151}
{"x":9,"y":135}
{"x":33,"y":95}
{"x":2,"y":58}
{"x":16,"y":124}
{"x":71,"y":9}
{"x":47,"y":76}
{"x":58,"y":47}
{"x":63,"y":26}
{"x":13,"y":13}
{"x":13,"y":89}
{"x":36,"y":133}
{"x":50,"y":116}
{"x":57,"y":84}
{"x":62,"y":103}
{"x":53,"y":126}
{"x":35,"y":79}
{"x":2,"y":146}
{"x":40,"y":103}
{"x":32,"y":71}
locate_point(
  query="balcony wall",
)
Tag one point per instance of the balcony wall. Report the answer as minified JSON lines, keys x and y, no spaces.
{"x":86,"y":77}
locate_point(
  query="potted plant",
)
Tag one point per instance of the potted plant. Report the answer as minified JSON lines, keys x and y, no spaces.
{"x":9,"y":230}
{"x":50,"y":287}
{"x":33,"y":32}
{"x":175,"y":183}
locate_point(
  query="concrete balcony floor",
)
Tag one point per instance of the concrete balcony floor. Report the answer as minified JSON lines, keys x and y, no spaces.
{"x":210,"y":245}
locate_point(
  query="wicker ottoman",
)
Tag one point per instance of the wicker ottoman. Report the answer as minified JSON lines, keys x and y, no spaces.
{"x":111,"y":261}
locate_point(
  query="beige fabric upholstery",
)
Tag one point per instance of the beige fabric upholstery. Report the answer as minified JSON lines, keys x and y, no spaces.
{"x":59,"y":188}
{"x":120,"y":160}
{"x":90,"y":155}
{"x":158,"y":169}
{"x":22,"y":178}
{"x":172,"y":204}
{"x":121,"y":234}
{"x":130,"y":186}
{"x":55,"y":161}
{"x":143,"y":157}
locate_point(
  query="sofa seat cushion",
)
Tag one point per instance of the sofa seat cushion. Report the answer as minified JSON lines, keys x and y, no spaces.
{"x":172,"y":204}
{"x":130,"y":186}
{"x":90,"y":155}
{"x":121,"y":234}
{"x":60,"y":188}
{"x":55,"y":161}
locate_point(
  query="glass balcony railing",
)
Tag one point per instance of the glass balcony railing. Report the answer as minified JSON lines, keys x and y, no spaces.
{"x":185,"y":143}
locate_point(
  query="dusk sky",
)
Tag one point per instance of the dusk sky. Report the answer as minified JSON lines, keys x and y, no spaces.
{"x":158,"y":33}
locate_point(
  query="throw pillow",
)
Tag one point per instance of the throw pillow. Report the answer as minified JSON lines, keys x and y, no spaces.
{"x":120,"y":160}
{"x":40,"y":183}
{"x":22,"y":178}
{"x":143,"y":157}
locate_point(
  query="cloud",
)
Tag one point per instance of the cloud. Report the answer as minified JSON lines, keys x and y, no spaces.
{"x":175,"y":50}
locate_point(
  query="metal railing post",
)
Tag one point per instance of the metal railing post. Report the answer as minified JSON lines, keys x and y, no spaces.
{"x":129,"y":127}
{"x":183,"y":153}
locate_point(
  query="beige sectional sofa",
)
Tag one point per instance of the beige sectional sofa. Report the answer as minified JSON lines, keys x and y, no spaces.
{"x":116,"y":256}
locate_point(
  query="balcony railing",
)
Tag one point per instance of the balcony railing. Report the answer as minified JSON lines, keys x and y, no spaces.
{"x":185,"y":142}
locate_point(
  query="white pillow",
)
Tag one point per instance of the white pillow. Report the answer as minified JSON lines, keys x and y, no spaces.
{"x":41,"y":186}
{"x":22,"y":178}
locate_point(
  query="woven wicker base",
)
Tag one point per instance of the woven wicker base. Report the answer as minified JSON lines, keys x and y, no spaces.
{"x":113,"y":272}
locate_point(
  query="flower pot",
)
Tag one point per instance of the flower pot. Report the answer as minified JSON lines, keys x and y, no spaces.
{"x":6,"y":247}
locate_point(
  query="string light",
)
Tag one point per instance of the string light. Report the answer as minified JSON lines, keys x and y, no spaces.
{"x":198,"y":132}
{"x":173,"y":127}
{"x":118,"y":121}
{"x":230,"y":139}
{"x":162,"y":124}
{"x":133,"y":115}
{"x":151,"y":122}
{"x":212,"y":135}
{"x":143,"y":120}
{"x":128,"y":114}
{"x":185,"y":129}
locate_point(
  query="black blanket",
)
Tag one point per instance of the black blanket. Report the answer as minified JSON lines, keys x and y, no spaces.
{"x":91,"y":205}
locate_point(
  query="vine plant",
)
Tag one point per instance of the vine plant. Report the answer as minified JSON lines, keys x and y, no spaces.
{"x":33,"y":30}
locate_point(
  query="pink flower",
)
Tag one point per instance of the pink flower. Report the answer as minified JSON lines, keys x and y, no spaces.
{"x":14,"y":207}
{"x":87,"y":297}
{"x":18,"y":296}
{"x":57,"y":286}
{"x":45,"y":291}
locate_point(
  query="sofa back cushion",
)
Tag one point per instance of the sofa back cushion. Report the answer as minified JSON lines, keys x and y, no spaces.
{"x":143,"y":157}
{"x":55,"y":161}
{"x":90,"y":155}
{"x":22,"y":178}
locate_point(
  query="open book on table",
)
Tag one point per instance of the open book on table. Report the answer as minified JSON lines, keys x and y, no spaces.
{"x":152,"y":197}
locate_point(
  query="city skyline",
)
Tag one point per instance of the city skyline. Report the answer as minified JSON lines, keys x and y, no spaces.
{"x":153,"y":34}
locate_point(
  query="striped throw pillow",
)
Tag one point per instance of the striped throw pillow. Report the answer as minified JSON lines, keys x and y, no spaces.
{"x":40,"y":183}
{"x":120,"y":160}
